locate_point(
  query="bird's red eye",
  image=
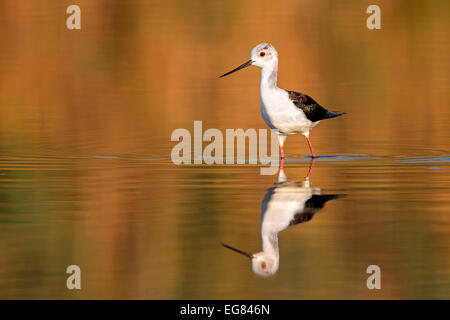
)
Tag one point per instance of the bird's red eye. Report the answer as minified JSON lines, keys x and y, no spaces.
{"x":262,"y":54}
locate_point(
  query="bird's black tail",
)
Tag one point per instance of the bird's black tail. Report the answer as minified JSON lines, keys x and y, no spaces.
{"x":332,"y":114}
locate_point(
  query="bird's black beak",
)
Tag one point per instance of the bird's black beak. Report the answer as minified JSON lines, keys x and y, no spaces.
{"x":242,"y":66}
{"x":248,"y":255}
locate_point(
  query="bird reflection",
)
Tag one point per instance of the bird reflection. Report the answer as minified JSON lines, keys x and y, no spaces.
{"x":283,"y":206}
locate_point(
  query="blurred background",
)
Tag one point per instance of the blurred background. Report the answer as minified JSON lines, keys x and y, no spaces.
{"x":85,"y":173}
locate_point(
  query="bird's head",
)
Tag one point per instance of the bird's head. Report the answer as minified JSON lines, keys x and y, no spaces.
{"x":263,"y":263}
{"x":262,"y":55}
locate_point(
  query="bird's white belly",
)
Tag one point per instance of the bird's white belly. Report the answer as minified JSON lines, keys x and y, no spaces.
{"x":281,"y":114}
{"x":283,"y":206}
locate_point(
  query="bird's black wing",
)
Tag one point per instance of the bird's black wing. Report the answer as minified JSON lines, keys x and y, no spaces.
{"x":314,"y":204}
{"x":312,"y":110}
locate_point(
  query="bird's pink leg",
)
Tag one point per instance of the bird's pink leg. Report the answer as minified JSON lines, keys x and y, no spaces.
{"x":311,"y":147}
{"x":310,"y":168}
{"x":282,"y":157}
{"x":281,"y":139}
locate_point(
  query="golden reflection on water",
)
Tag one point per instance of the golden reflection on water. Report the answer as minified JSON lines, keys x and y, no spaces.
{"x":283,"y":206}
{"x":85,"y":172}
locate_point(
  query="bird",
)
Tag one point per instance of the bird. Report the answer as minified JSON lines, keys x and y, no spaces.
{"x":287,"y":112}
{"x":285,"y":205}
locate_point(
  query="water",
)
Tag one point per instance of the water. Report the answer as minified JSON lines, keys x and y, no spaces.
{"x":140,"y":228}
{"x":86,"y":176}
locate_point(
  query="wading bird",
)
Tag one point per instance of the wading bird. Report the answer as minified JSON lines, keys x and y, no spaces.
{"x":288,"y":112}
{"x":285,"y":205}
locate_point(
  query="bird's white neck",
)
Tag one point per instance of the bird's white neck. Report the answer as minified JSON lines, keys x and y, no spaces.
{"x":270,"y":243}
{"x":269,"y":75}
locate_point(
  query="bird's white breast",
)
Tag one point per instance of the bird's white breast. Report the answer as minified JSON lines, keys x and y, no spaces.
{"x":282,"y":206}
{"x":280,"y":113}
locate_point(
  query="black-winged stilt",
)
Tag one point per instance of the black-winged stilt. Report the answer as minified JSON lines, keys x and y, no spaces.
{"x":285,"y":205}
{"x":288,"y":112}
